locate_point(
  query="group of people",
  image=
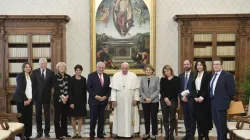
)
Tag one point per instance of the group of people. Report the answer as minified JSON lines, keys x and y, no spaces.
{"x":204,"y":97}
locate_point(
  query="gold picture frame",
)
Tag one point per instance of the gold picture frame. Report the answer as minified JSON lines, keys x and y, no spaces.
{"x":123,"y":31}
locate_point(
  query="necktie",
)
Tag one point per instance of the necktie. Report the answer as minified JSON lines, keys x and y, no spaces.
{"x":101,"y":79}
{"x":212,"y":86}
{"x":148,"y":81}
{"x":185,"y":82}
{"x":43,"y":77}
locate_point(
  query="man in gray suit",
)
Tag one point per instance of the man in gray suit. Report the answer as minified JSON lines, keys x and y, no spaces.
{"x":149,"y":90}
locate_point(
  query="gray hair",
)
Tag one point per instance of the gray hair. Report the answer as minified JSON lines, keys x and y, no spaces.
{"x":100,"y":63}
{"x":125,"y":63}
{"x":61,"y":64}
{"x":42,"y":60}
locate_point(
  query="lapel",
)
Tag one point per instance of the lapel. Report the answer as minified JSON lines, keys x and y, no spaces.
{"x":203,"y":78}
{"x":151,"y":82}
{"x":218,"y":81}
{"x":39,"y":74}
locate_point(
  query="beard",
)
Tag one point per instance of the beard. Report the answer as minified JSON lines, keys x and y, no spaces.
{"x":187,"y":69}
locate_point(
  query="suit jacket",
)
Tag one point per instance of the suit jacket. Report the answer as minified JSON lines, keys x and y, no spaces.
{"x":204,"y":89}
{"x":42,"y":89}
{"x":19,"y":94}
{"x":189,"y":85}
{"x":94,"y":88}
{"x":152,"y":91}
{"x":224,"y":91}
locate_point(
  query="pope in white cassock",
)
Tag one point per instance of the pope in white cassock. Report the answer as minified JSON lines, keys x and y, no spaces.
{"x":124,"y":97}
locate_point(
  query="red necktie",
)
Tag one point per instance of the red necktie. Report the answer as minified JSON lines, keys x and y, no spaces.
{"x":100,"y":75}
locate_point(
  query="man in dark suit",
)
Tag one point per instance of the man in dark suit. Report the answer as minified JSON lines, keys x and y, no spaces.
{"x":186,"y":99}
{"x":42,"y":84}
{"x":222,"y":90}
{"x":99,"y":92}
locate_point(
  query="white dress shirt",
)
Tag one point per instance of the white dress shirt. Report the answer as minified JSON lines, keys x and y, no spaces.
{"x":102,"y":77}
{"x":43,"y":73}
{"x":28,"y":89}
{"x":188,"y":74}
{"x":215,"y":81}
{"x":198,"y":83}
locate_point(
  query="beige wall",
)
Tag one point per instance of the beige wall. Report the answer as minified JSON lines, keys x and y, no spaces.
{"x":78,"y":32}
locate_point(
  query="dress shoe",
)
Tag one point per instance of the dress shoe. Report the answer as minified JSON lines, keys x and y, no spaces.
{"x":146,"y":136}
{"x":75,"y":136}
{"x":47,"y":136}
{"x":27,"y":138}
{"x":39,"y":136}
{"x":101,"y":137}
{"x":92,"y":138}
{"x":59,"y":138}
{"x":116,"y":137}
{"x":68,"y":136}
{"x":153,"y":137}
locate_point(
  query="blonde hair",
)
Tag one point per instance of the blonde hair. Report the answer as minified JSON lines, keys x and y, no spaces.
{"x":60,"y":64}
{"x":149,"y":66}
{"x":167,"y":67}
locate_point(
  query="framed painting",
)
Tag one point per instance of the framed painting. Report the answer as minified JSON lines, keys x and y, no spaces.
{"x":123,"y":31}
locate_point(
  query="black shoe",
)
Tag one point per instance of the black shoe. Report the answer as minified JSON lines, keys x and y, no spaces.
{"x":59,"y":138}
{"x":92,"y":138}
{"x":153,"y":137}
{"x":116,"y":137}
{"x":27,"y":138}
{"x":207,"y":138}
{"x":75,"y":137}
{"x":39,"y":136}
{"x":68,"y":136}
{"x":47,"y":136}
{"x":101,"y":137}
{"x":185,"y":138}
{"x":146,"y":136}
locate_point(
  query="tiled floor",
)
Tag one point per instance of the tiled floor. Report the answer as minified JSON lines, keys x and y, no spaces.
{"x":85,"y":130}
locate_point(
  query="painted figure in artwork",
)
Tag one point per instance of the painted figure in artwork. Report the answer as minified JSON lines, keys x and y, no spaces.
{"x":105,"y":16}
{"x":123,"y":16}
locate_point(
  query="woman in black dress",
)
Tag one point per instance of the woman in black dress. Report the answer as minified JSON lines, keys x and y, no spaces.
{"x":169,"y":90}
{"x":200,"y":91}
{"x":78,"y":100}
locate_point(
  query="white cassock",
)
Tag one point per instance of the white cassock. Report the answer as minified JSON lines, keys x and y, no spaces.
{"x":125,"y":89}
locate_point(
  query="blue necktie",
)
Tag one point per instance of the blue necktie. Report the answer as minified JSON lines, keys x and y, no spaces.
{"x":212,"y":86}
{"x":185,"y":82}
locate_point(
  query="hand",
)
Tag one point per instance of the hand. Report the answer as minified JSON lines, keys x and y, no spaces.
{"x":114,"y":104}
{"x":200,"y":100}
{"x":97,"y":97}
{"x":26,"y":103}
{"x":196,"y":99}
{"x":66,"y":98}
{"x":72,"y":106}
{"x":166,"y":99}
{"x":148,"y":100}
{"x":103,"y":98}
{"x":169,"y":103}
{"x":134,"y":102}
{"x":184,"y":99}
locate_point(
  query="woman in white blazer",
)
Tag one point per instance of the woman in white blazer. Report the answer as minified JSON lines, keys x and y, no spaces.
{"x":149,"y":91}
